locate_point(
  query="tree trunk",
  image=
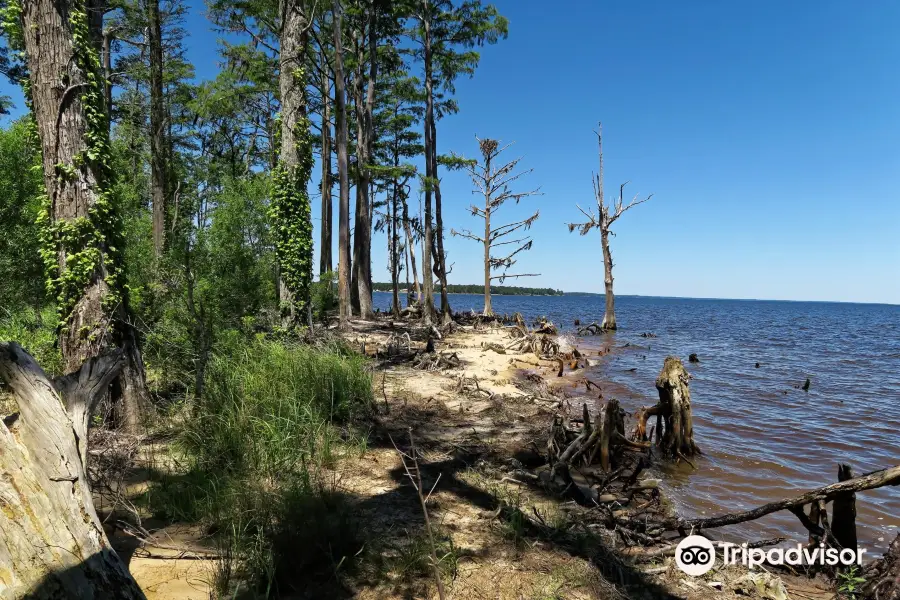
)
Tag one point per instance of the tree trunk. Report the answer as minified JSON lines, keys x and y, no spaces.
{"x":325,"y":260}
{"x":843,"y":512}
{"x":394,"y":243}
{"x":68,"y":96}
{"x":294,"y":231}
{"x":362,"y":240}
{"x":158,"y":177}
{"x":488,"y":309}
{"x":674,"y":415}
{"x":53,"y":543}
{"x":609,"y":315}
{"x":446,"y":313}
{"x":340,"y":108}
{"x":428,"y":238}
{"x":411,"y":250}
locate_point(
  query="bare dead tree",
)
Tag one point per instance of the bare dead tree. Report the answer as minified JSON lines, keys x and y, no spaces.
{"x":608,"y":215}
{"x":493,"y":183}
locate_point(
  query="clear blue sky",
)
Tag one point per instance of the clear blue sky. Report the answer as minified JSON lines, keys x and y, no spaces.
{"x":768,"y":132}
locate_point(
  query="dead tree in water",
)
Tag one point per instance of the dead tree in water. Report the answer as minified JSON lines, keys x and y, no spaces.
{"x":54,"y":545}
{"x":492,"y":181}
{"x":607,"y":216}
{"x":674,"y":422}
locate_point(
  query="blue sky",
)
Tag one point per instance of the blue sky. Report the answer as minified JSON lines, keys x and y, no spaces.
{"x":768,"y":133}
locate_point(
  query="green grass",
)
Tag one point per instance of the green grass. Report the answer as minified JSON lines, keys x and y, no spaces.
{"x":256,"y":447}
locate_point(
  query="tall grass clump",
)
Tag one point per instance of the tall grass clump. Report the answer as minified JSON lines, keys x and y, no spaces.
{"x":274,"y":417}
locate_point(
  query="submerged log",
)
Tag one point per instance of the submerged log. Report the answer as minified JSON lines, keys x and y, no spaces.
{"x":674,"y":423}
{"x":53,"y":545}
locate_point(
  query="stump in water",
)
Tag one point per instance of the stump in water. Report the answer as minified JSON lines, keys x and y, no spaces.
{"x":53,"y":545}
{"x":843,"y":512}
{"x":674,"y":424}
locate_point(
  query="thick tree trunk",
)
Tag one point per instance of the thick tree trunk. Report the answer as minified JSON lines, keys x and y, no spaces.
{"x":674,"y":423}
{"x":68,"y":96}
{"x":295,"y":216}
{"x":158,"y":177}
{"x":609,"y":315}
{"x":53,"y":545}
{"x":325,"y":260}
{"x":340,"y":108}
{"x":428,"y":238}
{"x":365,"y":139}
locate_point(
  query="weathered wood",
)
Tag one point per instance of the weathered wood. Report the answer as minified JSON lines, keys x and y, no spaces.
{"x":843,"y":512}
{"x":883,"y":575}
{"x":869,"y":481}
{"x":674,"y":414}
{"x":53,"y":545}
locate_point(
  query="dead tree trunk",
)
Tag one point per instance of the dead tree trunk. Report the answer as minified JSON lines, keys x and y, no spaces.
{"x":53,"y":544}
{"x":674,"y":424}
{"x":843,"y":512}
{"x":607,"y":214}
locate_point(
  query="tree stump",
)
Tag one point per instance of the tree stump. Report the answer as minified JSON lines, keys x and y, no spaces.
{"x":674,"y":423}
{"x":53,"y":545}
{"x":843,"y":512}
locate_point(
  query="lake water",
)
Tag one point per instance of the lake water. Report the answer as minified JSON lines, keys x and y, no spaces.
{"x":763,"y":438}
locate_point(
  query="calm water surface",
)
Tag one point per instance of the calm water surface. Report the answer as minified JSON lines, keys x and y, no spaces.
{"x":763,"y":438}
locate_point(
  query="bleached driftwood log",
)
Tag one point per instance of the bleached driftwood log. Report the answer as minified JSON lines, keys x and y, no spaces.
{"x":52,"y":544}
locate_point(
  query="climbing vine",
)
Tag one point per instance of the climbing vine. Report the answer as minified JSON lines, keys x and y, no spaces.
{"x":91,"y":244}
{"x":291,"y":215}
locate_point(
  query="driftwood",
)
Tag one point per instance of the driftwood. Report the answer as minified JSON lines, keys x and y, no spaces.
{"x":53,"y":545}
{"x":594,"y":443}
{"x":591,"y":329}
{"x":436,"y":361}
{"x":883,"y":575}
{"x":870,"y":481}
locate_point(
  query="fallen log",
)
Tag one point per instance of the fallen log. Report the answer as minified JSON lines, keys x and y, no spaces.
{"x":53,"y":544}
{"x":870,"y":481}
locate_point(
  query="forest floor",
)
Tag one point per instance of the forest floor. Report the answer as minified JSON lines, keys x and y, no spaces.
{"x":472,"y":441}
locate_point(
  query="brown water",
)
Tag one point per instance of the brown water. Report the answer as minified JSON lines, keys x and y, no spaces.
{"x":763,"y":438}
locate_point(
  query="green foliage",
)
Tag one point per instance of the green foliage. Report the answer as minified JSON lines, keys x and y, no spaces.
{"x":21,"y":189}
{"x":92,"y":243}
{"x":325,"y":296}
{"x":850,"y":583}
{"x":256,"y":445}
{"x":292,"y":219}
{"x":36,"y":332}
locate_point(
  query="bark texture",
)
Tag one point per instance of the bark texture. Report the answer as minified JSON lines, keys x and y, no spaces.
{"x":674,"y":423}
{"x":325,"y":260}
{"x":53,"y":545}
{"x":69,"y":102}
{"x":340,"y":108}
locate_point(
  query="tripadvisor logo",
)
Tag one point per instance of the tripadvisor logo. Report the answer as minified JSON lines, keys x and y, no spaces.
{"x":696,"y":555}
